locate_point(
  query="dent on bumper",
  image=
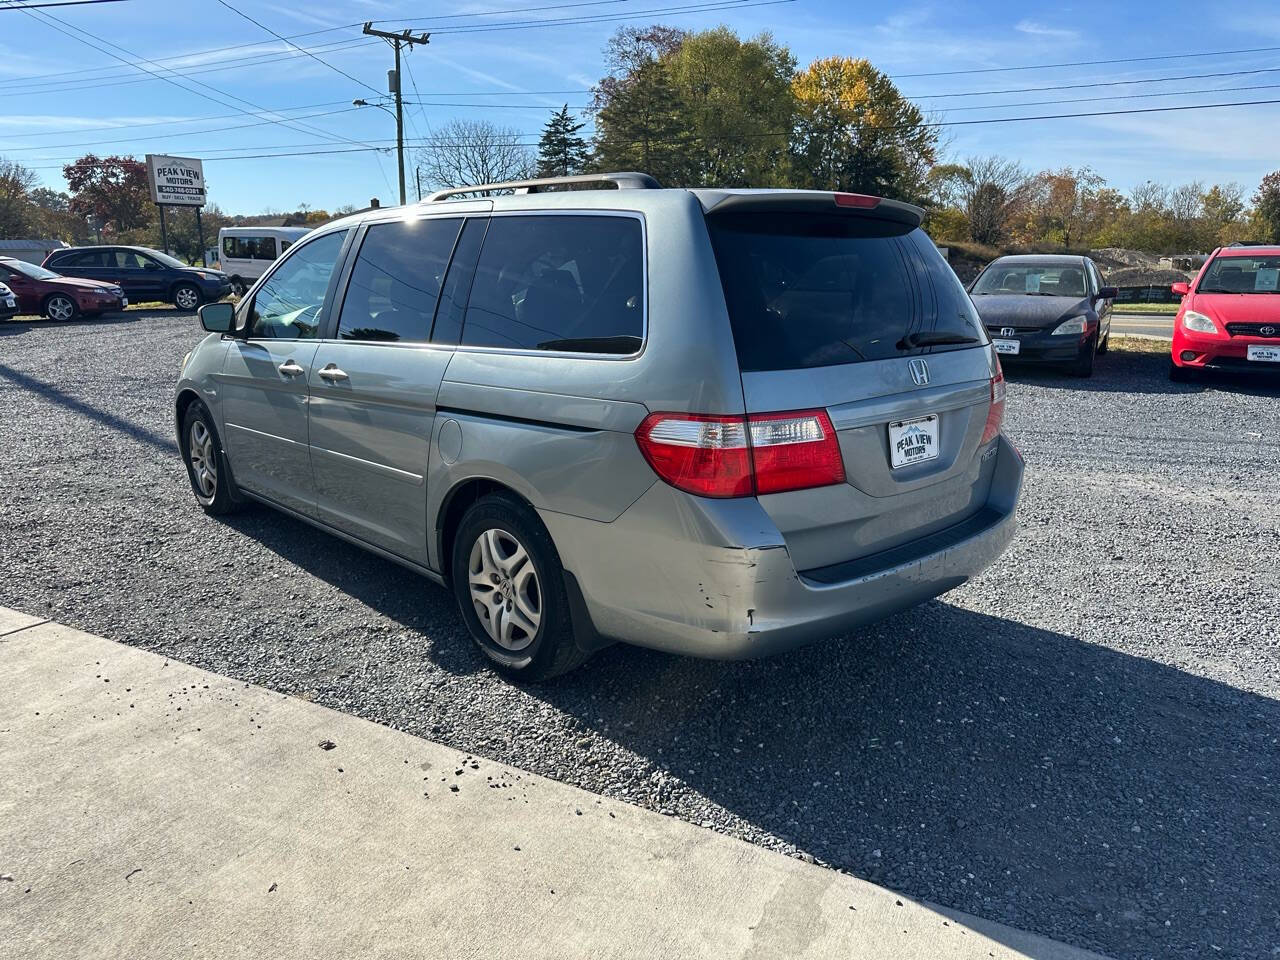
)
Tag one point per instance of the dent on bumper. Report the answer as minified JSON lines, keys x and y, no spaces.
{"x":713,"y":578}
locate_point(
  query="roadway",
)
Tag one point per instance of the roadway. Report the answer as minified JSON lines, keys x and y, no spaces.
{"x":1143,"y":325}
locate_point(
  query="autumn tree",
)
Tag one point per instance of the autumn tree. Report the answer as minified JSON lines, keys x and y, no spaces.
{"x":1063,"y":205}
{"x":16,"y":211}
{"x":1266,"y":208}
{"x":112,"y":189}
{"x":856,"y":132}
{"x":735,"y":107}
{"x":640,"y":127}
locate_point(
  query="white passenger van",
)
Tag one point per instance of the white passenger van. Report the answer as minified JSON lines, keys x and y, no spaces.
{"x":245,"y":253}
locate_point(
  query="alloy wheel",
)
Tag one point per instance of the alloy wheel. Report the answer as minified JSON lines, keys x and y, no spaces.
{"x":505,"y":590}
{"x":186,"y":298}
{"x":60,"y":308}
{"x":204,"y":462}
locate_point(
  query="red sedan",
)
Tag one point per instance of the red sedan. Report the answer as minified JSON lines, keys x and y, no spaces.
{"x":1230,"y":314}
{"x":57,"y":297}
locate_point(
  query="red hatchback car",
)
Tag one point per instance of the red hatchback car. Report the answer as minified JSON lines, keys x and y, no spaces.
{"x":1230,"y":314}
{"x":57,"y":297}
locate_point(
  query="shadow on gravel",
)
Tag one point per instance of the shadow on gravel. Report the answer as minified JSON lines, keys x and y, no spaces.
{"x":54,"y":394}
{"x":997,"y":768}
{"x":1125,"y":371}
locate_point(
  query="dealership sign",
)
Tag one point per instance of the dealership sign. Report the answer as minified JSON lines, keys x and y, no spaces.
{"x":176,"y":180}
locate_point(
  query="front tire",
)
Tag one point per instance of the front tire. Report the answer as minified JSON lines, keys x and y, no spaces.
{"x":1084,"y":366}
{"x":60,"y":307}
{"x":509,"y":585}
{"x":206,"y":462}
{"x":186,"y":296}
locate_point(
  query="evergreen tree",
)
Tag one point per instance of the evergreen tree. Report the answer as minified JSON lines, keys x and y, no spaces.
{"x":640,"y":127}
{"x":562,"y":152}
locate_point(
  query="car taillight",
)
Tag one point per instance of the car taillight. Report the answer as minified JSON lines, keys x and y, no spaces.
{"x":995,"y":415}
{"x":716,"y":456}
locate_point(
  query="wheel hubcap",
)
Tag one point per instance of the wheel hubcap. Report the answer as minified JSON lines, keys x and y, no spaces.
{"x":505,"y":590}
{"x":204,"y":464}
{"x":186,"y":299}
{"x":60,"y":308}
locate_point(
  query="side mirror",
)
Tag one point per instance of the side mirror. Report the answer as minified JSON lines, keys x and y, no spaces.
{"x":217,"y":317}
{"x":1180,"y":288}
{"x":1108,"y":293}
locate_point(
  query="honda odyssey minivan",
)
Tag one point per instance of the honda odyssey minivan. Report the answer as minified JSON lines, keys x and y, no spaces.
{"x":713,"y":422}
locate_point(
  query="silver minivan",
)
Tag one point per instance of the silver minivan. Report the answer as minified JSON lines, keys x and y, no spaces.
{"x":713,"y":422}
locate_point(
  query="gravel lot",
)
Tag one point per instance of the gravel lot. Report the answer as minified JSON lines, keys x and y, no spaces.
{"x":1085,"y":742}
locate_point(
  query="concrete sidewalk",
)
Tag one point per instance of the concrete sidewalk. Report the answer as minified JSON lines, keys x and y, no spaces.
{"x":152,"y":810}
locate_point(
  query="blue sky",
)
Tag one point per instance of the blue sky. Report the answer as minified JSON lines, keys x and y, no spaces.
{"x":60,"y":95}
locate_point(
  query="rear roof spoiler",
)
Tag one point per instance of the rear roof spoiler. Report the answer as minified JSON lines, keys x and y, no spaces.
{"x":807,"y":201}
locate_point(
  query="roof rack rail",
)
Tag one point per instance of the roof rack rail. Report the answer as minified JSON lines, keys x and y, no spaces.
{"x":623,"y":181}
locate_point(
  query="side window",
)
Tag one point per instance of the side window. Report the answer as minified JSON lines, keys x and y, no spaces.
{"x":129,"y":260}
{"x":290,"y":302}
{"x":93,"y":258}
{"x":285,"y":245}
{"x":229,"y":247}
{"x":395,"y":282}
{"x":551,"y":282}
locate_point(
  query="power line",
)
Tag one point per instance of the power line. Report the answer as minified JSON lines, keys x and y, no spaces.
{"x":167,"y":123}
{"x":1085,"y":63}
{"x":1083,"y":86}
{"x":53,"y":22}
{"x":317,"y":59}
{"x":533,"y":136}
{"x":169,"y":136}
{"x":57,"y":3}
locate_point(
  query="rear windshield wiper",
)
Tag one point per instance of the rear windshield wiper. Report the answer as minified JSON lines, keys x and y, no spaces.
{"x":934,"y":338}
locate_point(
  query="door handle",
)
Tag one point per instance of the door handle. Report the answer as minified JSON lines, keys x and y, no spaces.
{"x":333,"y":374}
{"x":290,"y":369}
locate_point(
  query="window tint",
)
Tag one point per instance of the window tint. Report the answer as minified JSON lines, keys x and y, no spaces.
{"x":396,"y":280}
{"x":288,"y":305}
{"x":946,"y":302}
{"x":131,"y":260}
{"x":249,"y":248}
{"x":1031,"y":279}
{"x":90,"y":258}
{"x":458,"y":281}
{"x":573,"y":283}
{"x":812,"y":291}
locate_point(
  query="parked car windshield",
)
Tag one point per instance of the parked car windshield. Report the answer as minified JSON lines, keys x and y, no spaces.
{"x":1241,"y":275}
{"x":31,"y":270}
{"x":809,"y":291}
{"x":1030,"y":280}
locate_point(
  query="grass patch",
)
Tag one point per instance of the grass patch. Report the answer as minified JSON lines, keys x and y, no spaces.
{"x":1138,"y":345}
{"x":1153,"y":309}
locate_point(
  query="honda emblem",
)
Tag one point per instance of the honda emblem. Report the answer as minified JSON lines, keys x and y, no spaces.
{"x":1007,"y":331}
{"x":919,"y":372}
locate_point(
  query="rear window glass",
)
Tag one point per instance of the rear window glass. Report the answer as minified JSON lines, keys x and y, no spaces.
{"x":559,"y":282}
{"x":396,"y":280}
{"x":813,"y":291}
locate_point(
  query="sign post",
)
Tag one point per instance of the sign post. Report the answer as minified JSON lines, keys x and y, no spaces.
{"x":177,"y":182}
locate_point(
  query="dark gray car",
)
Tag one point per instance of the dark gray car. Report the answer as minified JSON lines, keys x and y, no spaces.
{"x":1045,"y":309}
{"x":715,"y":422}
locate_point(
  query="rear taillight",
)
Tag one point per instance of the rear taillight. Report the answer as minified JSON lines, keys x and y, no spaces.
{"x":995,"y":415}
{"x":862,"y":200}
{"x":714,"y":456}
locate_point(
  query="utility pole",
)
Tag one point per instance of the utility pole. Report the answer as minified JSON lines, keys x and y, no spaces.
{"x":408,"y":39}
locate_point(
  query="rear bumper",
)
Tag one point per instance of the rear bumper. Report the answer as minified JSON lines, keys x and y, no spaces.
{"x":713,"y":578}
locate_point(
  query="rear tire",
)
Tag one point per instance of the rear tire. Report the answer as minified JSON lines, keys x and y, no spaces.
{"x":206,"y":462}
{"x":186,"y":296}
{"x":60,"y":307}
{"x":509,"y":584}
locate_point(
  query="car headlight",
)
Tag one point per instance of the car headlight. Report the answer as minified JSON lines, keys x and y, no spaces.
{"x":102,"y":291}
{"x":4,"y":290}
{"x":1198,"y":322}
{"x":1075,"y":326}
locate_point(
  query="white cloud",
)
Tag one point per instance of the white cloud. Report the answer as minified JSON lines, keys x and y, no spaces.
{"x":1034,"y":28}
